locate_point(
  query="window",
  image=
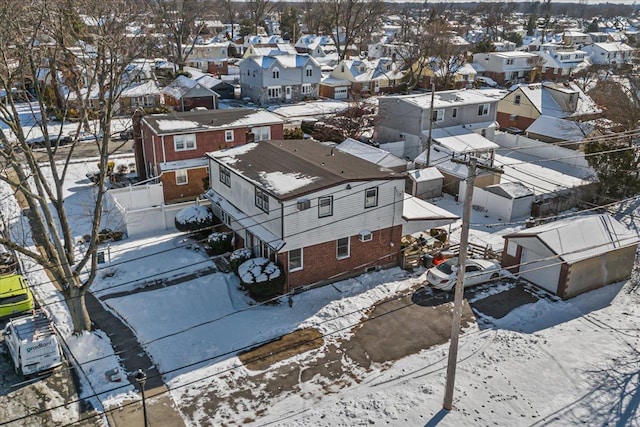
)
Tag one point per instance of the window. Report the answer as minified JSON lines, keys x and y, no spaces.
{"x":261,"y":133}
{"x":262,"y":200}
{"x":342,"y":248}
{"x":579,"y":55}
{"x":516,"y":100}
{"x":309,"y":71}
{"x":437,"y":115}
{"x":565,"y":57}
{"x":276,"y":73}
{"x":571,"y":98}
{"x":483,"y":109}
{"x":184,"y":142}
{"x":306,"y":89}
{"x":454,"y":113}
{"x":325,"y":206}
{"x":225,"y":176}
{"x":274,"y":92}
{"x":228,"y":135}
{"x":182,"y":177}
{"x":295,"y":259}
{"x":254,"y":73}
{"x":509,"y":61}
{"x":371,"y":197}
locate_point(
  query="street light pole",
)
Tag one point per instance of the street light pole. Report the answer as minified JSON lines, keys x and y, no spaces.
{"x":141,"y":378}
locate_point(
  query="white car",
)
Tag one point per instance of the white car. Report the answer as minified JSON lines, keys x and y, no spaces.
{"x":443,"y":276}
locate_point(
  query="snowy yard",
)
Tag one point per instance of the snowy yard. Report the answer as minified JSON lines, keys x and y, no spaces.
{"x":549,"y":362}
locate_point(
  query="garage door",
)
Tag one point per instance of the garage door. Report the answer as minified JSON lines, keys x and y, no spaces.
{"x":545,"y":274}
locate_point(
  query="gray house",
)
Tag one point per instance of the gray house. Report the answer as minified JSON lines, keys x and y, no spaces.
{"x":279,"y":78}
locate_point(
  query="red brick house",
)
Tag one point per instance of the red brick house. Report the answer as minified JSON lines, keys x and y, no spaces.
{"x":172,"y":147}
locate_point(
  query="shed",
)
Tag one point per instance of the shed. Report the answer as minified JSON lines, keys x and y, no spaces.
{"x":424,"y":183}
{"x":573,"y":255}
{"x":506,"y":201}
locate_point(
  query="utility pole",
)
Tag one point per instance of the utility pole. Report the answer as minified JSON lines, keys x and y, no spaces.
{"x":433,"y":94}
{"x":459,"y":289}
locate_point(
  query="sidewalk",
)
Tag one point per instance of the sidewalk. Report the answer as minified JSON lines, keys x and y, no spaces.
{"x":161,"y":410}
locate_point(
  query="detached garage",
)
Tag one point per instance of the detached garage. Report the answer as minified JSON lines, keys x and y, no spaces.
{"x":572,"y":256}
{"x":505,"y":201}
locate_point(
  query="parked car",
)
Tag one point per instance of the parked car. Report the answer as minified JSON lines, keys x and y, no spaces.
{"x":443,"y":276}
{"x":486,"y":81}
{"x":15,"y":295}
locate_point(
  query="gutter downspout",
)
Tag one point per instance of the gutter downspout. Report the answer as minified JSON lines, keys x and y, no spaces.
{"x":282,"y":236}
{"x":164,"y":154}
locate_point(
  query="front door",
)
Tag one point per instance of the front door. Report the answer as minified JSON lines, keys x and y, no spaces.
{"x":287,"y":93}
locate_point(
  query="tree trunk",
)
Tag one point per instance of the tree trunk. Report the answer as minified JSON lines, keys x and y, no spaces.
{"x":79,"y":314}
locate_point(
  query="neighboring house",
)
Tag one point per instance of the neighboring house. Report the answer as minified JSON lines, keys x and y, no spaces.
{"x":185,"y":94}
{"x":612,"y":53}
{"x":427,"y":73}
{"x":172,"y":146}
{"x":561,"y":62}
{"x":424,"y":183}
{"x":316,"y":46}
{"x":372,"y":154}
{"x":322,"y":214}
{"x":462,"y":123}
{"x":572,"y":256}
{"x":140,"y":95}
{"x":576,"y":38}
{"x":523,"y":105}
{"x":211,"y":57}
{"x":506,"y":67}
{"x":269,"y":50}
{"x":383,"y":75}
{"x":280,"y":78}
{"x":223,"y":88}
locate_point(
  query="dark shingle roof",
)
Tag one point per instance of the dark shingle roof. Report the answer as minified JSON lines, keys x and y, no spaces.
{"x":292,"y":168}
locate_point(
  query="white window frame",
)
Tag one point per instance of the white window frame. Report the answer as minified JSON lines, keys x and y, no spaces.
{"x":274,"y":92}
{"x":225,"y":176}
{"x":371,"y":201}
{"x":275,"y":73}
{"x":348,"y":247}
{"x":228,"y":135}
{"x":322,"y":208}
{"x":306,"y":89}
{"x":184,"y":142}
{"x":483,"y":110}
{"x":437,"y":115}
{"x":182,"y":176}
{"x":261,"y":133}
{"x":309,"y":71}
{"x":454,"y":112}
{"x":300,"y":266}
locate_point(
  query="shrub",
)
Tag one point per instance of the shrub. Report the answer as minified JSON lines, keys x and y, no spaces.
{"x":238,"y":257}
{"x":219,"y":243}
{"x":296,"y":133}
{"x":261,"y":277}
{"x":194,"y":218}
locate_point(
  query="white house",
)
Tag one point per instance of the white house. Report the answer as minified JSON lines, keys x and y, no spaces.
{"x":613,"y":53}
{"x":321,"y":213}
{"x":503,"y":67}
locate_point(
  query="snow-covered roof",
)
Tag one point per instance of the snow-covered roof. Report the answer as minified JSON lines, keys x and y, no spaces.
{"x":182,"y":85}
{"x":371,"y":154}
{"x":452,"y":98}
{"x":510,"y":190}
{"x":309,"y":109}
{"x":425,"y":214}
{"x":577,"y":238}
{"x":539,"y":94}
{"x":184,"y":164}
{"x":150,"y":87}
{"x":560,"y":129}
{"x":459,"y":139}
{"x":202,"y":121}
{"x":425,"y":174}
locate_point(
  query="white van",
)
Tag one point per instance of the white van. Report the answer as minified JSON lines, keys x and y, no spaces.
{"x":32,"y":343}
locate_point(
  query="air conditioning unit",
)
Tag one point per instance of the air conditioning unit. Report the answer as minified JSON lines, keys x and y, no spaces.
{"x":365,"y":236}
{"x":303,"y":204}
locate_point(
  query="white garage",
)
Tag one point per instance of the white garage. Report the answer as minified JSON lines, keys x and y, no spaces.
{"x":572,"y":256}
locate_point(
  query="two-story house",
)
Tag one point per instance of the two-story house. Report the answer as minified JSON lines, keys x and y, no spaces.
{"x":521,"y":107}
{"x":610,"y":53}
{"x":280,"y":78}
{"x":171,"y":147}
{"x":322,"y":214}
{"x":506,"y":67}
{"x":363,"y":78}
{"x":210,"y":57}
{"x":462,"y":123}
{"x":559,"y":62}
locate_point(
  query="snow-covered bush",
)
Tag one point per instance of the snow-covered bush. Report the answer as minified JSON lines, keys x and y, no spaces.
{"x":238,"y":257}
{"x":263,"y":278}
{"x":219,"y":243}
{"x":194,"y":218}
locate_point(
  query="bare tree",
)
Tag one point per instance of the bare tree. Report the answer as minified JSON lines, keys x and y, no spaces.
{"x":86,"y":58}
{"x":182,"y":21}
{"x":229,"y":13}
{"x":350,"y":21}
{"x":497,"y":18}
{"x":258,"y":10}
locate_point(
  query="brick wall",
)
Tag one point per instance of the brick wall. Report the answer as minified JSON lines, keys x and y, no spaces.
{"x":174,"y":193}
{"x":320,"y":265}
{"x":520,"y":122}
